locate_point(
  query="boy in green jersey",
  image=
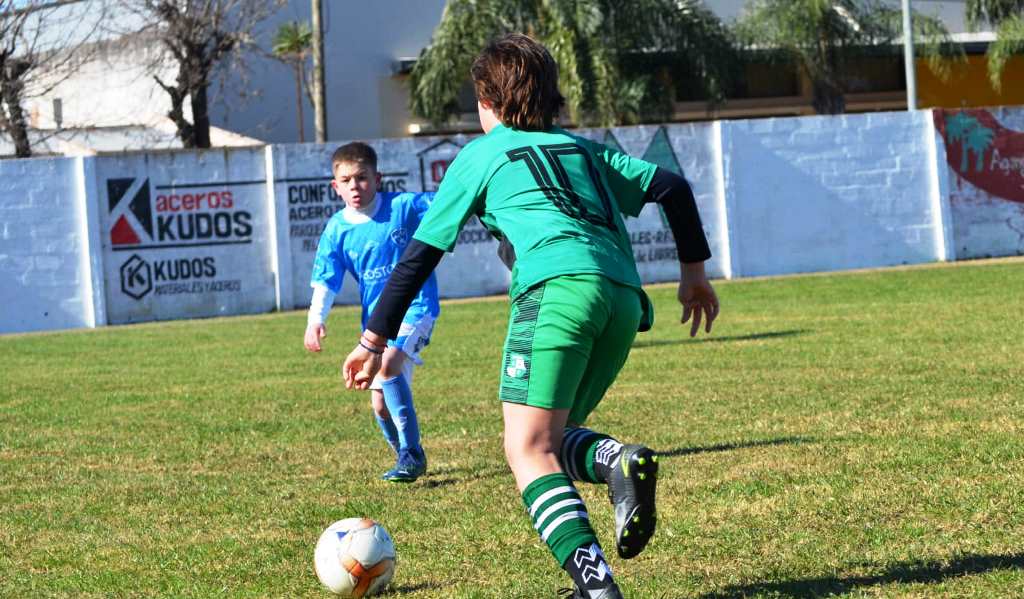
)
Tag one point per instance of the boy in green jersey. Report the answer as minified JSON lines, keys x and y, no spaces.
{"x":577,"y":300}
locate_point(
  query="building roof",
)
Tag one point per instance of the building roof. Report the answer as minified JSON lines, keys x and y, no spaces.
{"x":90,"y":141}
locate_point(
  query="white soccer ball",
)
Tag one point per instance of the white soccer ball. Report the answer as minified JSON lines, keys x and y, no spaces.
{"x":355,"y":557}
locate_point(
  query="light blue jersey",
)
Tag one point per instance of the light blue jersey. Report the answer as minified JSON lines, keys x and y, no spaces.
{"x":370,"y":250}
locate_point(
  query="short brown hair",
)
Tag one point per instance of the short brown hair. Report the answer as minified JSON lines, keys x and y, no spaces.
{"x":355,"y":152}
{"x":518,"y":78}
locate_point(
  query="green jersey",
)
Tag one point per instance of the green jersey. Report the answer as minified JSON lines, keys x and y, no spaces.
{"x":557,"y":198}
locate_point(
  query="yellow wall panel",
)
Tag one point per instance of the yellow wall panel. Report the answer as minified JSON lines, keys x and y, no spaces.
{"x":969,"y":85}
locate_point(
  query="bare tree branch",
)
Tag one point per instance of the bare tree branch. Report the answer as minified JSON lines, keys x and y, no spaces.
{"x":199,"y":36}
{"x":42,"y":43}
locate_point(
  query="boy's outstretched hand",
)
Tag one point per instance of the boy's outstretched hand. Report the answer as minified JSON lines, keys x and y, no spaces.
{"x":314,"y":333}
{"x":697,"y":297}
{"x":362,"y":365}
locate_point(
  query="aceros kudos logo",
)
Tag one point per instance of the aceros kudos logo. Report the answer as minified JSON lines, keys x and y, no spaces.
{"x":136,"y":277}
{"x":199,"y":214}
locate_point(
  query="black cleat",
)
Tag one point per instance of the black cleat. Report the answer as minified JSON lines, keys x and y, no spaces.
{"x":631,"y":488}
{"x":611,"y":592}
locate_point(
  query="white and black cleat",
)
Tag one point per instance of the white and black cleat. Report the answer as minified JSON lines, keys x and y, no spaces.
{"x":631,"y":489}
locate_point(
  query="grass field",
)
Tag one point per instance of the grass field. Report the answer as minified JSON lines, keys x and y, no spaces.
{"x":852,"y":435}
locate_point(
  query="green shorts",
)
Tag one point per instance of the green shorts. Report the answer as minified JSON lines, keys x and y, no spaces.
{"x":567,"y":340}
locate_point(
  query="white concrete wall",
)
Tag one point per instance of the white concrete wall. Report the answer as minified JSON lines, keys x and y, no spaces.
{"x":45,"y":278}
{"x":829,"y":193}
{"x":91,"y":240}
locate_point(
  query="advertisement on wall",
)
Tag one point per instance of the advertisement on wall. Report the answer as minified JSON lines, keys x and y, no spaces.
{"x":185,"y":235}
{"x":985,"y":164}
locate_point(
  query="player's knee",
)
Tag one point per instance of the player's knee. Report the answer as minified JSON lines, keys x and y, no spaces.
{"x":380,"y":408}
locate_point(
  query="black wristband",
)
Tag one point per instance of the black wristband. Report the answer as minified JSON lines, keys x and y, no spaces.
{"x":370,"y":349}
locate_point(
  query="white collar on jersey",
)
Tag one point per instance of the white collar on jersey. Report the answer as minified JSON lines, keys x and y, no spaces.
{"x":361,"y":215}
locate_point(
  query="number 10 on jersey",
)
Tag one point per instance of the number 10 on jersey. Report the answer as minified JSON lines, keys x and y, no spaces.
{"x":556,"y":159}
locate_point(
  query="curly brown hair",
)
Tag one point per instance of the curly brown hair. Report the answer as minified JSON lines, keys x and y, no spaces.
{"x":518,"y":78}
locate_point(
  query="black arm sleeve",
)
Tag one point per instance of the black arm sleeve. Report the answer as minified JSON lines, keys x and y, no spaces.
{"x":418,"y":261}
{"x":676,"y":199}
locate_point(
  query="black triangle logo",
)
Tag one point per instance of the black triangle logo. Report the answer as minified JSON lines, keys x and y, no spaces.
{"x":116,"y":188}
{"x":141,"y":208}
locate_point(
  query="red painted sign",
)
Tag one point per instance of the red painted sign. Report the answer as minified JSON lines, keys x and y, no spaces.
{"x":983,"y":152}
{"x":437,"y":170}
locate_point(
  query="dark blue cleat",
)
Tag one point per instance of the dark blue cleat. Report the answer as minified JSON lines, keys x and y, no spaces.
{"x":411,"y":464}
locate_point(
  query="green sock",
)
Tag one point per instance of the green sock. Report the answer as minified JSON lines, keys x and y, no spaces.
{"x":587,"y":455}
{"x":559,"y":514}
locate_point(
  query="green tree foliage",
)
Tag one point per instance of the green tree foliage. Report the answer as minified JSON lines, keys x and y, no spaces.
{"x":618,"y":61}
{"x":823,"y":36}
{"x":292,"y":45}
{"x":1007,"y":16}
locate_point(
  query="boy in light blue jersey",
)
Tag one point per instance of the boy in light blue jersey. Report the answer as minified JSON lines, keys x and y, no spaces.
{"x":366,"y":240}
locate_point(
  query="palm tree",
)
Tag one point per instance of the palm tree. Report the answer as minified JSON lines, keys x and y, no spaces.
{"x":958,"y":125}
{"x":978,"y":140}
{"x":972,"y":136}
{"x":823,"y":36}
{"x":292,"y":45}
{"x":1007,"y":16}
{"x":618,"y":61}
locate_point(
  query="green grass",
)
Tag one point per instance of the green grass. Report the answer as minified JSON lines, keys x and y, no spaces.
{"x":854,"y":435}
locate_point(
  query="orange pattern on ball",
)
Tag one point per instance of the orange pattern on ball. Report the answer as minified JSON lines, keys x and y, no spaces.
{"x":364,"y":577}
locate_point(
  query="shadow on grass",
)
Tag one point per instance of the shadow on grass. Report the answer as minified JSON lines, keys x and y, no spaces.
{"x":724,"y":339}
{"x":731,"y":446}
{"x":901,"y":573}
{"x":405,"y":589}
{"x":432,"y":482}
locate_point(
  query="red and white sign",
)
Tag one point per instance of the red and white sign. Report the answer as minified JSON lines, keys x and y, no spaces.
{"x":980,"y":150}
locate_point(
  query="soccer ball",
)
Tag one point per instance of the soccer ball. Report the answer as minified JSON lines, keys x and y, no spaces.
{"x":355,"y":557}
